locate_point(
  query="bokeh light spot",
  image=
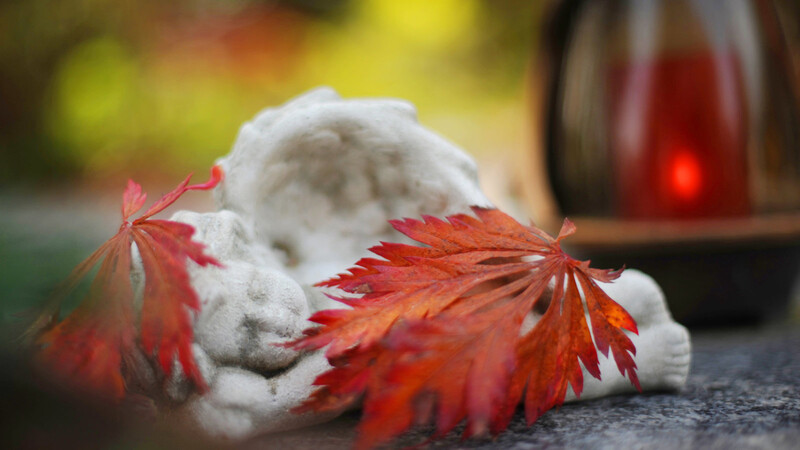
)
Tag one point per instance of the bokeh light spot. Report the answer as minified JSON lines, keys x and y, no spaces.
{"x":94,"y":85}
{"x":437,"y":23}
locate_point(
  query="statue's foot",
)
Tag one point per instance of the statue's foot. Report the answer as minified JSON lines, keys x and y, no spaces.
{"x":663,"y":349}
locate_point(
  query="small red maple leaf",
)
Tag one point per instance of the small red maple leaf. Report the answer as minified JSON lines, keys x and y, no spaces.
{"x":89,"y":347}
{"x":439,"y":329}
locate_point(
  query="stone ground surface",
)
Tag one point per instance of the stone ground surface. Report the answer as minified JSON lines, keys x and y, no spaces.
{"x":743,"y":392}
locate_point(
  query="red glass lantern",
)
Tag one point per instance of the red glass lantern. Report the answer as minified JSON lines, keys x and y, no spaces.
{"x":667,"y":110}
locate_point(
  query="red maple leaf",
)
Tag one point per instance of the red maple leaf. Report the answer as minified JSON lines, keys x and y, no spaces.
{"x":439,"y":329}
{"x":90,"y":346}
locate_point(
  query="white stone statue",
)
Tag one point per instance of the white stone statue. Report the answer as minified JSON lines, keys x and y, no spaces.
{"x":309,"y":187}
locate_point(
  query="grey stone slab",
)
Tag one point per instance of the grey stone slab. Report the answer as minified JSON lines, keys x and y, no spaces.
{"x":743,"y":392}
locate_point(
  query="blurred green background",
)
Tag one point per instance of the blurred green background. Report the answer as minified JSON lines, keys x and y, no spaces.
{"x":101,"y":88}
{"x":93,"y":92}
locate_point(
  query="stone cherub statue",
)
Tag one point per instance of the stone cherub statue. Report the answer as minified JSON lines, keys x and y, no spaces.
{"x":309,"y":187}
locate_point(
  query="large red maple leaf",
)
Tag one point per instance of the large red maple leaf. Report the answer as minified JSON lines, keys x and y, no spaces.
{"x":438,"y":330}
{"x":90,"y":346}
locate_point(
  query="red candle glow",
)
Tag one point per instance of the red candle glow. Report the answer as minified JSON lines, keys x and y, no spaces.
{"x":685,"y":175}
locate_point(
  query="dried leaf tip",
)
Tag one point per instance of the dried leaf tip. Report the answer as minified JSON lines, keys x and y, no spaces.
{"x":217,"y":176}
{"x":567,"y":229}
{"x":132,"y":200}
